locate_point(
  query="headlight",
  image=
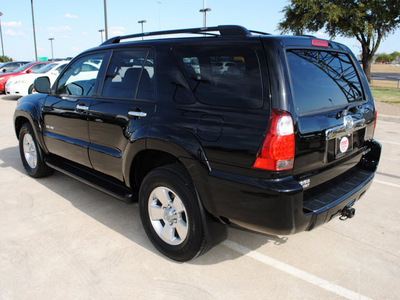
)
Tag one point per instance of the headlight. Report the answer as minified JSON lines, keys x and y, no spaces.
{"x":1,"y":78}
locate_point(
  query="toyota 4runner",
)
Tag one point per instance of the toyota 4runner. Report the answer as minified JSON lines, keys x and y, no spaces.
{"x":270,"y":133}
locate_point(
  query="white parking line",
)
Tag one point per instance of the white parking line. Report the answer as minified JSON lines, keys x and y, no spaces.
{"x":322,"y":283}
{"x":387,"y":183}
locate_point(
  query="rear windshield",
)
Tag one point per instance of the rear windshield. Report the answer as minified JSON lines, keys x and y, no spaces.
{"x":322,"y":80}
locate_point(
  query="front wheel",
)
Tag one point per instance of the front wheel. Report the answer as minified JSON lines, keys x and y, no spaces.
{"x":170,"y":213}
{"x":31,"y":155}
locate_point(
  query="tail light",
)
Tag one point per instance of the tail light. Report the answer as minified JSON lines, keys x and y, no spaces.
{"x":376,"y":118}
{"x":277,"y":151}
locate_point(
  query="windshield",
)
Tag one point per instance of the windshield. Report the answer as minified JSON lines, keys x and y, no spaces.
{"x":46,"y":69}
{"x":322,"y":80}
{"x":21,"y":68}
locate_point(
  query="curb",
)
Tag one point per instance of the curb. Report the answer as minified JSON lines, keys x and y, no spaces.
{"x":388,"y":118}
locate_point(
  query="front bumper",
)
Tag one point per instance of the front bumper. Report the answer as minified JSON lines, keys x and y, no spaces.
{"x":15,"y":89}
{"x":281,"y":206}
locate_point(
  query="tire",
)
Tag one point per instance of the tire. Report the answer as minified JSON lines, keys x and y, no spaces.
{"x":31,"y":154}
{"x":170,"y":213}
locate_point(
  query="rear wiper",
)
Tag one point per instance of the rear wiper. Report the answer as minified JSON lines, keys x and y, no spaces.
{"x":347,"y":109}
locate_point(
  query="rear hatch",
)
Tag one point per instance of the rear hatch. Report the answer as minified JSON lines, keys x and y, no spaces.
{"x":335,"y":115}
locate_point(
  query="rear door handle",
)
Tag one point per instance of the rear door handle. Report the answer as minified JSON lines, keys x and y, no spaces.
{"x":137,"y":114}
{"x":82,"y":107}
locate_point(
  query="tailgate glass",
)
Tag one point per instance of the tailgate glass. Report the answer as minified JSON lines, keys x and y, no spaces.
{"x":322,"y":80}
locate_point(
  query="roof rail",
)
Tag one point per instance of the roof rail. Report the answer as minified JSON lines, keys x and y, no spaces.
{"x":224,"y":31}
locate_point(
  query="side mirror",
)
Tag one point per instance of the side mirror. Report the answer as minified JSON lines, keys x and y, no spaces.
{"x":42,"y":85}
{"x":4,"y":70}
{"x":28,"y":71}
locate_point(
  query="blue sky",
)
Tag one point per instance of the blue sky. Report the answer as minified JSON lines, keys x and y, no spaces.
{"x":75,"y":24}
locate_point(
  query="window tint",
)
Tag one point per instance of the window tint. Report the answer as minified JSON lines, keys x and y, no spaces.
{"x":223,"y":76}
{"x":127,"y":71}
{"x":80,"y":77}
{"x":322,"y":80}
{"x":60,"y":68}
{"x":37,"y":67}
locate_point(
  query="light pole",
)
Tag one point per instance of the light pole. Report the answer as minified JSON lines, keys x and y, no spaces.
{"x":141,"y":22}
{"x":34,"y":32}
{"x":204,"y":11}
{"x":101,"y":34}
{"x":51,"y":42}
{"x":1,"y":34}
{"x":105,"y":18}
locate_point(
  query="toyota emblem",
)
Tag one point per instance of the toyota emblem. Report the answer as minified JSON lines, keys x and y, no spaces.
{"x":348,"y":122}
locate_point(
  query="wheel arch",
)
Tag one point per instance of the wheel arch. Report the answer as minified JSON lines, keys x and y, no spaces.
{"x":29,"y":110}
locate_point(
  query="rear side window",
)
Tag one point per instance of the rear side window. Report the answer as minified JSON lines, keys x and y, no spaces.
{"x":130,"y":75}
{"x":222,"y":76}
{"x":322,"y":80}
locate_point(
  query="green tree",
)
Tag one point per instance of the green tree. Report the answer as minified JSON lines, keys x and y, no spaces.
{"x":7,"y":59}
{"x":384,"y":58}
{"x":369,"y":21}
{"x":395,"y":56}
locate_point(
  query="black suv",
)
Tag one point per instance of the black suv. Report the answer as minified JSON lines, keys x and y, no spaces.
{"x":270,"y":133}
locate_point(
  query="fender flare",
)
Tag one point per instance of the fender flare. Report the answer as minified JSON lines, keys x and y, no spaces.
{"x":184,"y":146}
{"x":31,"y":110}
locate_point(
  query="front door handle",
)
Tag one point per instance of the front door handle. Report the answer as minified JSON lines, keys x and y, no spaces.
{"x":82,"y":107}
{"x":137,"y":114}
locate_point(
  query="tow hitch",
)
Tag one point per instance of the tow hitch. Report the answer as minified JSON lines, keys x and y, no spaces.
{"x":347,"y":213}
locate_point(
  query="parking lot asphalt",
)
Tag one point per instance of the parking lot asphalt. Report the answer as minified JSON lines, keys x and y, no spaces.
{"x":61,"y":239}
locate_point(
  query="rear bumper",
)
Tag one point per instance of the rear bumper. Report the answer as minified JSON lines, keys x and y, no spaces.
{"x":281,"y":206}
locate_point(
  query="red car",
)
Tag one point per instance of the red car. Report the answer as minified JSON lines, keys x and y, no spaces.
{"x":25,"y":69}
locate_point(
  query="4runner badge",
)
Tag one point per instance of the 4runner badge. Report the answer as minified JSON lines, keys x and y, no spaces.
{"x":348,"y":122}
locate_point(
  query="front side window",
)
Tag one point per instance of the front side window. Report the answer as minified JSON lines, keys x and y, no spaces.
{"x":130,"y":75}
{"x":322,"y":80}
{"x":80,"y":77}
{"x":222,"y":76}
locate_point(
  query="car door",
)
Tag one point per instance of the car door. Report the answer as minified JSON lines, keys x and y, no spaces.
{"x":124,"y":108}
{"x":65,"y":111}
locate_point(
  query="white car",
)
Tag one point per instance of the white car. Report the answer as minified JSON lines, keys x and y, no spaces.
{"x":23,"y":84}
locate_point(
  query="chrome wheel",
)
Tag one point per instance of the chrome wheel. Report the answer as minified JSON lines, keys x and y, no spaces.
{"x":168,"y":216}
{"x":30,"y":152}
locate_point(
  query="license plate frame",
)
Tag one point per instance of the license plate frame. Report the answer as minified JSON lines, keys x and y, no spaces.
{"x":340,"y":145}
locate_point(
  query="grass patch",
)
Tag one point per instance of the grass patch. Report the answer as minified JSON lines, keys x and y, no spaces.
{"x":387,"y":95}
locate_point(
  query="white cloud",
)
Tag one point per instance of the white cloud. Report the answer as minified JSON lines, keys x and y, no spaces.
{"x":11,"y":24}
{"x":11,"y":32}
{"x":117,"y":31}
{"x":61,"y":28}
{"x":69,"y":16}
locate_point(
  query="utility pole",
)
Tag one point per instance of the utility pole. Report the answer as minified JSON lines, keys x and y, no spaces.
{"x":34,"y":32}
{"x":51,"y":42}
{"x":2,"y":45}
{"x":105,"y":18}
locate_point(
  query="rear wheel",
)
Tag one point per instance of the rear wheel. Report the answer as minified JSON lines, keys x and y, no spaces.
{"x":31,"y":155}
{"x":170,"y":213}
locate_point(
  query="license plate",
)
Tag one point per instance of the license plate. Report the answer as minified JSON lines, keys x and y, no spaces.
{"x":344,"y":144}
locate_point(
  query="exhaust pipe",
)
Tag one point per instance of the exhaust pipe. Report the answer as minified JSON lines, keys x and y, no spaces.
{"x":347,"y":213}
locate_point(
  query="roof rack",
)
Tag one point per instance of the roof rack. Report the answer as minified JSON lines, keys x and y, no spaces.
{"x":224,"y":31}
